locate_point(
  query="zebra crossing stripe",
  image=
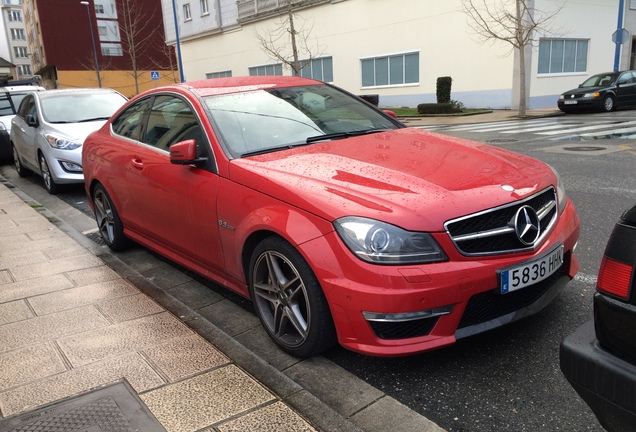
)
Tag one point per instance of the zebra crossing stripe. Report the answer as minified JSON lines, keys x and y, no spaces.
{"x":586,"y":128}
{"x":609,"y":132}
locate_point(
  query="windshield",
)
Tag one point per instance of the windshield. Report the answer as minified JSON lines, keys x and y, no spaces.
{"x":80,"y":107}
{"x":268,"y":120}
{"x":599,"y":80}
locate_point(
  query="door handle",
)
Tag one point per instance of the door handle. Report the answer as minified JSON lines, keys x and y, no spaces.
{"x":137,"y":163}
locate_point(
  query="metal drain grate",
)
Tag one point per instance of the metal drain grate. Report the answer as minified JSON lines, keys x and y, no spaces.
{"x":501,"y":140}
{"x":585,"y":148}
{"x":114,"y":408}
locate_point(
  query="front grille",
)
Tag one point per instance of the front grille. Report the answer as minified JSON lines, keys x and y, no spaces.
{"x":492,"y":231}
{"x":490,"y":305}
{"x":403,"y":329}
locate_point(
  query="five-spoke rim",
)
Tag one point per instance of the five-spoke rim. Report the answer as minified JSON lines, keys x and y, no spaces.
{"x":46,"y":173}
{"x":104,"y":216}
{"x":281,"y":297}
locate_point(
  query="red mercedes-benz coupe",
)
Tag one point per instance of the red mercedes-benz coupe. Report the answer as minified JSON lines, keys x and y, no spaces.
{"x":340,"y":223}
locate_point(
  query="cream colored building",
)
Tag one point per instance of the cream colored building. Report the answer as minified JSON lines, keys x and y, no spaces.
{"x":397,"y":49}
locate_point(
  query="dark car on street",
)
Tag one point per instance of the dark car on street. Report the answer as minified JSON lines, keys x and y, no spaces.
{"x":599,"y":359}
{"x":603,"y":92}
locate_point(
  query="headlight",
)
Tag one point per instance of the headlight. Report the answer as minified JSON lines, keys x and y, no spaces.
{"x":381,"y":243}
{"x":561,"y":198}
{"x":3,"y":127}
{"x":561,"y":97}
{"x":594,"y":95}
{"x":62,"y":143}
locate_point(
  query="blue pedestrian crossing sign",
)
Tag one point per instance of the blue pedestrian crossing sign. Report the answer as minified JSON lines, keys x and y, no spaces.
{"x":154,"y":75}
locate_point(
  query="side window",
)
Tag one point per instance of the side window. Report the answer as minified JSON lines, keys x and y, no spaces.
{"x":27,"y":107}
{"x":130,"y":122}
{"x":171,"y":120}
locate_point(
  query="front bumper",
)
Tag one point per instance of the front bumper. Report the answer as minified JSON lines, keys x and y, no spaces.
{"x":452,"y":299}
{"x":59,"y":162}
{"x":581,"y":104}
{"x":605,"y":382}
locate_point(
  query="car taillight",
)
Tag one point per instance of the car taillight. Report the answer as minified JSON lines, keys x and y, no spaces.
{"x":614,"y":278}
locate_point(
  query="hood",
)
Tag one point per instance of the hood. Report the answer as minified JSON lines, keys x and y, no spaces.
{"x":409,"y":177}
{"x":75,"y":131}
{"x":583,"y":90}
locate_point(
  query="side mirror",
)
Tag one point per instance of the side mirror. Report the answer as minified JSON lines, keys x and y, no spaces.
{"x":185,"y":153}
{"x":391,"y":113}
{"x":31,"y":121}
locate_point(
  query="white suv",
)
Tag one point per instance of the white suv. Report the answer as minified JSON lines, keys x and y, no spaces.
{"x":10,"y":98}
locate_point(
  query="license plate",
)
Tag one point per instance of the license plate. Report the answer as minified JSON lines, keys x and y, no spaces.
{"x":570,"y":102}
{"x":530,"y":272}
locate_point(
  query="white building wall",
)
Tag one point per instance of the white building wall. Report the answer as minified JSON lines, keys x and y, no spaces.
{"x":349,"y":30}
{"x":594,"y":20}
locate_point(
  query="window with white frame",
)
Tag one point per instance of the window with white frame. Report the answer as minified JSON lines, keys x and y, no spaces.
{"x":17,"y":34}
{"x":320,"y":69}
{"x":21,"y":52}
{"x":222,"y":74}
{"x":391,"y":70}
{"x":24,"y":70}
{"x":15,"y":15}
{"x":99,"y":9}
{"x":557,"y":56}
{"x":187,"y":14}
{"x":273,"y":69}
{"x":111,"y":50}
{"x":103,"y":31}
{"x":632,"y":4}
{"x":204,"y":7}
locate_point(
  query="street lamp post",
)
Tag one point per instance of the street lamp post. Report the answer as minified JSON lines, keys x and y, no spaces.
{"x":90,"y":24}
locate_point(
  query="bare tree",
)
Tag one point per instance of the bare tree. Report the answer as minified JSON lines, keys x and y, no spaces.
{"x":276,"y":42}
{"x":515,"y":22}
{"x":136,"y":34}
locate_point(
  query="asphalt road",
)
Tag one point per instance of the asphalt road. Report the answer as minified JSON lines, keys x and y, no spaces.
{"x":509,"y":379}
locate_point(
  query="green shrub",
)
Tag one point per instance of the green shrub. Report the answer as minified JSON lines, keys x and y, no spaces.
{"x":439,"y":108}
{"x":444,"y":85}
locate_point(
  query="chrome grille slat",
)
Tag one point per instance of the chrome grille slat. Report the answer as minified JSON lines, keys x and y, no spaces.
{"x":492,"y":231}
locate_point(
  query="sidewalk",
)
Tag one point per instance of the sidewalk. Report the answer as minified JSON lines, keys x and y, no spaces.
{"x":82,"y":342}
{"x":491,"y":116}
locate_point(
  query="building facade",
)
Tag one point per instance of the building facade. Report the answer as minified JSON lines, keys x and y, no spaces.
{"x":13,"y":44}
{"x":107,"y":43}
{"x":398,"y":49}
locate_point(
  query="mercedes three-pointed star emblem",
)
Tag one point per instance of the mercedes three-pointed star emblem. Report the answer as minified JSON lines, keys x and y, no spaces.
{"x":527,"y":225}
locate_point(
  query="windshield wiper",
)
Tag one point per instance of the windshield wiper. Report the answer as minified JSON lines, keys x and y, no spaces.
{"x":342,"y":135}
{"x":273,"y":149}
{"x":93,"y":119}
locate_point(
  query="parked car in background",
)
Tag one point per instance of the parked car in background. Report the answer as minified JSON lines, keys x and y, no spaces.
{"x":339,"y":222}
{"x":599,"y":359}
{"x":602,"y":92}
{"x":10,"y":98}
{"x":48,"y":131}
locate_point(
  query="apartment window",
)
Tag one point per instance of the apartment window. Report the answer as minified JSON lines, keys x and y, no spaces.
{"x":103,"y":31}
{"x":562,"y":55}
{"x":391,"y":70}
{"x":632,"y":4}
{"x":204,"y":7}
{"x":20,"y":52}
{"x":99,"y":9}
{"x":17,"y":34}
{"x":223,"y":74}
{"x":274,"y":69}
{"x":187,"y":15}
{"x":15,"y":16}
{"x":320,"y":69}
{"x":24,"y":70}
{"x":112,"y":51}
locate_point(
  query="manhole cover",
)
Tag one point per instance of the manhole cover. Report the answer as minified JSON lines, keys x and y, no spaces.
{"x":501,"y":140}
{"x":585,"y":148}
{"x":114,"y":408}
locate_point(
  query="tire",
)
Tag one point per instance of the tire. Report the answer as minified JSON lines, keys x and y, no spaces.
{"x":17,"y":164}
{"x":109,"y":224}
{"x":289,"y":300}
{"x":49,"y":183}
{"x":609,"y":103}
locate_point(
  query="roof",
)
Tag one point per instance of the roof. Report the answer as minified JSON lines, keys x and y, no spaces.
{"x":217,"y":86}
